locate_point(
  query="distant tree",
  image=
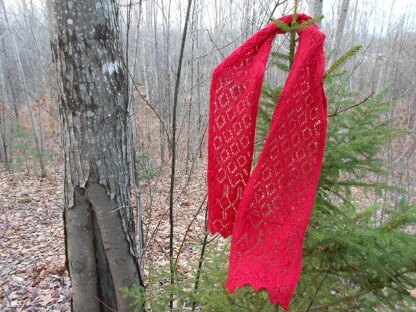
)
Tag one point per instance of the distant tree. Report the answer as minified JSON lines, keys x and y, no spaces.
{"x":316,"y":8}
{"x":93,"y":99}
{"x":339,"y":32}
{"x":24,"y":86}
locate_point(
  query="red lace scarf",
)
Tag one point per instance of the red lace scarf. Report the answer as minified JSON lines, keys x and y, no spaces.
{"x":266,"y":212}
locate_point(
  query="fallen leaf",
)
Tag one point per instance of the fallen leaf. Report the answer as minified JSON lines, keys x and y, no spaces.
{"x":44,"y":300}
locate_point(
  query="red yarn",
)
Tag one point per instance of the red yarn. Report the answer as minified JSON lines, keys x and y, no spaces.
{"x":266,"y":212}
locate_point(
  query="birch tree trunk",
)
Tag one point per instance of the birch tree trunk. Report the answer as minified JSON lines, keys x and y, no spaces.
{"x":98,"y":217}
{"x":340,"y":27}
{"x":316,"y":9}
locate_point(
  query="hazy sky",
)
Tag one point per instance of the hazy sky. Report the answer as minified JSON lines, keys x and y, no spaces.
{"x":379,"y":13}
{"x":378,"y":10}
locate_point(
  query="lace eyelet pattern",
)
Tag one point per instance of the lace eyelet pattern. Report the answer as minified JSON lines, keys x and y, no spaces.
{"x":267,"y":212}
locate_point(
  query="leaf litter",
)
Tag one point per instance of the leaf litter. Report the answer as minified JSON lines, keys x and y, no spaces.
{"x":33,"y":276}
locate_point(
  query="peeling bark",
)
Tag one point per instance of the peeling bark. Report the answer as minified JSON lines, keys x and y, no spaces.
{"x":81,"y":263}
{"x":94,"y":108}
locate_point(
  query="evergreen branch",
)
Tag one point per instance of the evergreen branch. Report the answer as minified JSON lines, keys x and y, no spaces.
{"x":397,"y":223}
{"x":283,"y":26}
{"x":375,"y":185}
{"x":282,"y":66}
{"x":260,"y":141}
{"x":280,"y":55}
{"x":335,"y":271}
{"x":355,"y":296}
{"x":297,"y":27}
{"x":309,"y":22}
{"x":351,"y":107}
{"x":320,"y":286}
{"x":344,"y":299}
{"x":295,"y":10}
{"x":343,"y":59}
{"x":234,"y":303}
{"x":292,"y":43}
{"x":265,"y":114}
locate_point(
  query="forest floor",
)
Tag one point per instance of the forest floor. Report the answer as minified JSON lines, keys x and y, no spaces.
{"x":33,"y":276}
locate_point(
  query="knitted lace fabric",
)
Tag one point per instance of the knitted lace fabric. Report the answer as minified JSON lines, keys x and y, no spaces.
{"x":267,"y":211}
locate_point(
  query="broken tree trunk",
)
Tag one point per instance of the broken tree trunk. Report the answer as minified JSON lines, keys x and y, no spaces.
{"x":99,"y":224}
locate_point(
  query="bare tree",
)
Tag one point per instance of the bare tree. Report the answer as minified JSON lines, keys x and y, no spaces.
{"x":174,"y":146}
{"x":99,"y":224}
{"x":23,"y":83}
{"x":316,"y":7}
{"x":4,"y":120}
{"x":340,"y":27}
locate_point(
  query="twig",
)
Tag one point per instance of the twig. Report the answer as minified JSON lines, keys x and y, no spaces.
{"x":189,"y":228}
{"x":213,"y":42}
{"x":319,"y":287}
{"x":100,"y":301}
{"x":276,"y":5}
{"x":293,"y":35}
{"x":355,"y":105}
{"x":173,"y":148}
{"x":322,"y":307}
{"x":192,"y":166}
{"x":147,"y":103}
{"x":5,"y":294}
{"x":201,"y":259}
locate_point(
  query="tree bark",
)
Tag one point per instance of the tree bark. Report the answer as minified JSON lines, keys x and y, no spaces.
{"x":98,"y":217}
{"x":340,"y":27}
{"x":4,"y":124}
{"x":3,"y":155}
{"x":316,"y":9}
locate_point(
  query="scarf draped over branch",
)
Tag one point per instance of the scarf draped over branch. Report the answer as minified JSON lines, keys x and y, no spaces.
{"x":266,"y":211}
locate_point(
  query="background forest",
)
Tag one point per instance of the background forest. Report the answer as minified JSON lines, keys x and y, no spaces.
{"x":361,"y":243}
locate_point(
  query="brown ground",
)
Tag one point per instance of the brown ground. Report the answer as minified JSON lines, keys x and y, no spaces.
{"x":32,"y":271}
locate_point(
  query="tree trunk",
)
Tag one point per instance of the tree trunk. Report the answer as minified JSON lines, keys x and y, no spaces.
{"x":3,"y":155}
{"x":3,"y":124}
{"x":134,"y":173}
{"x":99,"y":224}
{"x":316,"y":9}
{"x":173,"y":147}
{"x":340,"y":27}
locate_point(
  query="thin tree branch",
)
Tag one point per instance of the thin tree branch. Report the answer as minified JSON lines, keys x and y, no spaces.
{"x":189,"y":228}
{"x":173,"y":148}
{"x":201,"y":259}
{"x":351,"y":107}
{"x":147,"y":102}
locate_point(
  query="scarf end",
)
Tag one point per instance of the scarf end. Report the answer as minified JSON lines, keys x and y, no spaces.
{"x":276,"y":296}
